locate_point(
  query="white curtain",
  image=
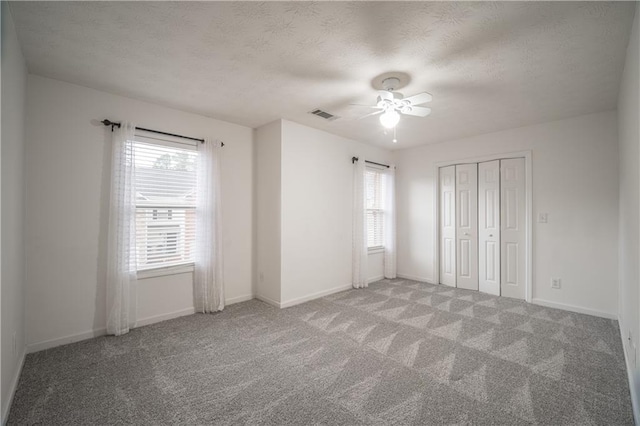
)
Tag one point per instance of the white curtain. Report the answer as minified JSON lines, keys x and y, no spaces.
{"x":208,"y":280}
{"x":121,"y":262}
{"x":390,"y":222}
{"x":359,"y":254}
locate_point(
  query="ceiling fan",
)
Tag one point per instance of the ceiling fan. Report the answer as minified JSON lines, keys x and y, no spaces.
{"x":392,"y":104}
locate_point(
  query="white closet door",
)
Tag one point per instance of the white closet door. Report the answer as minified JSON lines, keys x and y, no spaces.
{"x":489,"y":227}
{"x":448,"y":226}
{"x":513,"y":228}
{"x":467,"y":225}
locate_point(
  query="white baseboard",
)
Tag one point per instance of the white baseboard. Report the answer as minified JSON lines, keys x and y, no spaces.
{"x":374,"y":279}
{"x":316,"y":295}
{"x":303,"y":299}
{"x":52,"y":343}
{"x":239,"y":299}
{"x":415,"y":278}
{"x":73,"y":338}
{"x":268,"y":300}
{"x":163,"y":317}
{"x":574,"y":308}
{"x":8,"y":400}
{"x":632,"y":376}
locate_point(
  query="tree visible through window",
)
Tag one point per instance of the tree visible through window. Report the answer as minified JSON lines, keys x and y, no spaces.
{"x":374,"y":187}
{"x":165,"y":182}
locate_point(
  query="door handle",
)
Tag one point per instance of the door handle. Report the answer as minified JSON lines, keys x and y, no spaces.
{"x":491,"y":235}
{"x":466,"y":233}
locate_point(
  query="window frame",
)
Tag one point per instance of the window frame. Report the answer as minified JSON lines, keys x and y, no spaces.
{"x":163,"y":270}
{"x":379,"y":211}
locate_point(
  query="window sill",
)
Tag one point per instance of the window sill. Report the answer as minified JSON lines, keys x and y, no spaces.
{"x":163,"y":271}
{"x":375,"y":250}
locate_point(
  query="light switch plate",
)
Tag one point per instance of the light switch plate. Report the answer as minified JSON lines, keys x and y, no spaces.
{"x":543,"y":217}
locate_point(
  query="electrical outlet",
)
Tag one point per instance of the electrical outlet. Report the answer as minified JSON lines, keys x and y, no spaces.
{"x":556,"y":283}
{"x":543,"y":217}
{"x":631,"y":350}
{"x":261,"y":277}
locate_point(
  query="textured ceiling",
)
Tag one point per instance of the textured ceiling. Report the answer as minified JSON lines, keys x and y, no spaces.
{"x":489,"y":66}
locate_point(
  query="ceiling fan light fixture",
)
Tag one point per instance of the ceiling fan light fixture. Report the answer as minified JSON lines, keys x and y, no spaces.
{"x":389,"y":119}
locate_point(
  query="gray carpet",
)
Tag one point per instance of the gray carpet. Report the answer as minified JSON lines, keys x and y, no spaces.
{"x":399,"y":352}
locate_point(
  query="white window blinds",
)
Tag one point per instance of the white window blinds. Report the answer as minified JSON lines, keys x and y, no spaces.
{"x":374,"y":187}
{"x":165,"y":182}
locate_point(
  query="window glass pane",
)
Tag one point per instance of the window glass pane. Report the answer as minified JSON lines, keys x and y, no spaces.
{"x":374,"y":189}
{"x":164,"y":175}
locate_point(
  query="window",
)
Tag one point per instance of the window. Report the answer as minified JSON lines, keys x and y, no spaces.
{"x":165,"y":185}
{"x":374,"y":187}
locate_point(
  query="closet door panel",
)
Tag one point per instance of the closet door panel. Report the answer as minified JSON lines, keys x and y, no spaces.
{"x":513,"y":217}
{"x":489,"y":227}
{"x":448,"y":226}
{"x":467,"y":225}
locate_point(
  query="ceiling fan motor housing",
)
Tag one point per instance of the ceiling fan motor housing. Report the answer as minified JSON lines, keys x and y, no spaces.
{"x":392,"y":103}
{"x":395,"y":102}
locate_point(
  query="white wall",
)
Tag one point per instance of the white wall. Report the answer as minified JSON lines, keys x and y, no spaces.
{"x":304,"y":201}
{"x":375,"y":266}
{"x":14,"y":80}
{"x":68,"y":156}
{"x":629,"y":137}
{"x":268,"y":164}
{"x":575,"y":181}
{"x":317,"y":201}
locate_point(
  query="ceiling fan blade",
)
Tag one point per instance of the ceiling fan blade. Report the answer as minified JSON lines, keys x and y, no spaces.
{"x":418,"y":111}
{"x":385,"y":94}
{"x":369,"y":115}
{"x":420,"y":98}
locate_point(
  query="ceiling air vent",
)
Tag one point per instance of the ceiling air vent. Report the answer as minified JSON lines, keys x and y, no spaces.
{"x":324,"y":114}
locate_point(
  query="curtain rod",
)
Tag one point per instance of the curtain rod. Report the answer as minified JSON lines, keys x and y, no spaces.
{"x":354,"y":159}
{"x":115,"y":124}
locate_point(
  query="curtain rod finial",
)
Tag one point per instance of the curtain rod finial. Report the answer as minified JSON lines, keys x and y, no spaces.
{"x":107,"y":122}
